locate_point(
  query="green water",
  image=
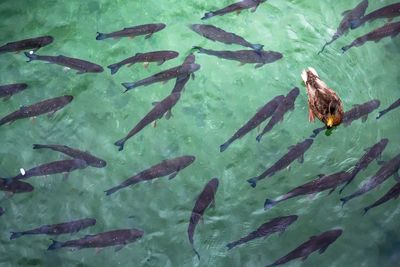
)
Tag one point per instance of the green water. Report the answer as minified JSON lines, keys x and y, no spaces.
{"x":220,"y":100}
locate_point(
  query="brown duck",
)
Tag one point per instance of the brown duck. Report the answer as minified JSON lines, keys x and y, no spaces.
{"x":323,"y":102}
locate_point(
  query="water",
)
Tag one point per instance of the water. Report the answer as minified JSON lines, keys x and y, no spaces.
{"x":220,"y":100}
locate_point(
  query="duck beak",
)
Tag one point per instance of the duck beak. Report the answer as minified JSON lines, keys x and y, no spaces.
{"x":329,"y":121}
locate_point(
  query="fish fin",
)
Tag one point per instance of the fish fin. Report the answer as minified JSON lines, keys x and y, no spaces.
{"x":30,"y":56}
{"x":312,"y":196}
{"x":114,"y":68}
{"x":241,"y":64}
{"x":381,"y":162}
{"x":173,"y":175}
{"x":269,"y":203}
{"x":346,"y":12}
{"x":301,"y":159}
{"x":101,"y":36}
{"x":322,"y":250}
{"x":118,"y":248}
{"x":51,"y":114}
{"x":254,"y":9}
{"x":146,"y":65}
{"x":65,"y":176}
{"x":207,"y":15}
{"x":253,"y":181}
{"x":160,"y":62}
{"x":304,"y":258}
{"x":155,"y":103}
{"x":15,"y":235}
{"x":258,"y":128}
{"x":55,"y":245}
{"x":81,"y":72}
{"x":98,"y":250}
{"x":259,"y":65}
{"x":193,"y":76}
{"x":364,"y":118}
{"x":148,"y":35}
{"x":238,"y":12}
{"x":6,"y":98}
{"x":320,"y":175}
{"x":154,"y":124}
{"x":331,"y":191}
{"x":120,"y":144}
{"x":164,"y":82}
{"x":9,"y":194}
{"x":212,"y":204}
{"x":168,"y":114}
{"x":396,"y":176}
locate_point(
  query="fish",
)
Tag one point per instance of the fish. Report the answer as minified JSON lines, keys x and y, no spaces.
{"x":320,"y":242}
{"x":7,"y":90}
{"x":389,"y":12}
{"x":169,"y":167}
{"x":236,"y":7}
{"x":322,"y":183}
{"x":15,"y":186}
{"x":359,"y":111}
{"x":390,"y":29}
{"x":393,"y":193}
{"x":180,"y":83}
{"x":395,"y":104}
{"x":145,"y":29}
{"x":159,"y":110}
{"x":345,"y":25}
{"x":286,"y":105}
{"x":156,"y":56}
{"x":388,"y":169}
{"x":295,"y":152}
{"x":276,"y":225}
{"x":244,"y":56}
{"x":75,"y":153}
{"x":82,"y":66}
{"x":55,"y":167}
{"x":57,"y":229}
{"x":2,"y":211}
{"x":204,"y":200}
{"x":188,"y":67}
{"x":119,"y":238}
{"x":27,"y":44}
{"x":262,"y":114}
{"x":46,"y":106}
{"x":217,"y":34}
{"x":371,"y":154}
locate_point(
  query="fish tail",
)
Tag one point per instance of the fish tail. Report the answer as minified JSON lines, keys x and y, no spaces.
{"x":269,"y":203}
{"x":37,"y":146}
{"x":207,"y":15}
{"x":30,"y":56}
{"x":197,"y":253}
{"x":55,"y":245}
{"x":257,"y":47}
{"x":366,"y":210}
{"x":200,"y":49}
{"x":381,"y":113}
{"x":231,"y":245}
{"x":128,"y":86}
{"x":120,"y":144}
{"x":114,"y":68}
{"x":345,"y":48}
{"x":224,"y":146}
{"x":15,"y":235}
{"x":112,"y":190}
{"x":258,"y":138}
{"x":101,"y":36}
{"x":253,"y":181}
{"x":344,"y":200}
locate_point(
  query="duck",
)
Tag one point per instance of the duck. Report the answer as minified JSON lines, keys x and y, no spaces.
{"x":323,"y":102}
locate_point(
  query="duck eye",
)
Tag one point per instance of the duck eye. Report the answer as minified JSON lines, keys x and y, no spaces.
{"x":332,"y":109}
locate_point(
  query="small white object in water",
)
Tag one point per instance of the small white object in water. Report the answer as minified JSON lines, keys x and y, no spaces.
{"x":22,"y":171}
{"x":31,"y":52}
{"x":66,"y":68}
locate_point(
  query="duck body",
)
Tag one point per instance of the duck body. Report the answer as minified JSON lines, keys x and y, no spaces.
{"x":323,"y":102}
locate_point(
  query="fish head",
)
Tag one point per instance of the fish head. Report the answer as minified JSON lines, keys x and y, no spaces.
{"x":190,"y":59}
{"x":193,"y":67}
{"x":195,"y":27}
{"x":68,"y":98}
{"x":136,"y":233}
{"x":293,"y":93}
{"x":270,"y":56}
{"x":96,"y":68}
{"x":189,"y":160}
{"x":214,"y":182}
{"x":46,"y":40}
{"x":99,"y":163}
{"x":160,"y":26}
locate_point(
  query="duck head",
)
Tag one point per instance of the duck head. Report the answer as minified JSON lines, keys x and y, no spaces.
{"x":334,"y":115}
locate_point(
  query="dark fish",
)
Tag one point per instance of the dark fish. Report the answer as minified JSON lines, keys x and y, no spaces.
{"x":188,"y":67}
{"x":180,"y":83}
{"x":393,"y":193}
{"x":75,"y":153}
{"x":204,"y":200}
{"x":145,"y":29}
{"x":118,"y":238}
{"x":27,"y":44}
{"x":216,"y":34}
{"x":295,"y":152}
{"x":322,"y":183}
{"x":15,"y":186}
{"x":358,"y":111}
{"x":388,"y":169}
{"x":396,"y":104}
{"x":169,"y":167}
{"x":244,"y":56}
{"x":10,"y":89}
{"x":262,"y":114}
{"x":320,"y":243}
{"x":57,"y":229}
{"x":391,"y":29}
{"x":82,"y":66}
{"x":159,"y":110}
{"x":389,"y":12}
{"x":236,"y":7}
{"x":2,"y":211}
{"x":345,"y":24}
{"x":286,"y":105}
{"x":46,"y":106}
{"x":276,"y":225}
{"x":371,"y":154}
{"x":61,"y":166}
{"x":156,"y":56}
